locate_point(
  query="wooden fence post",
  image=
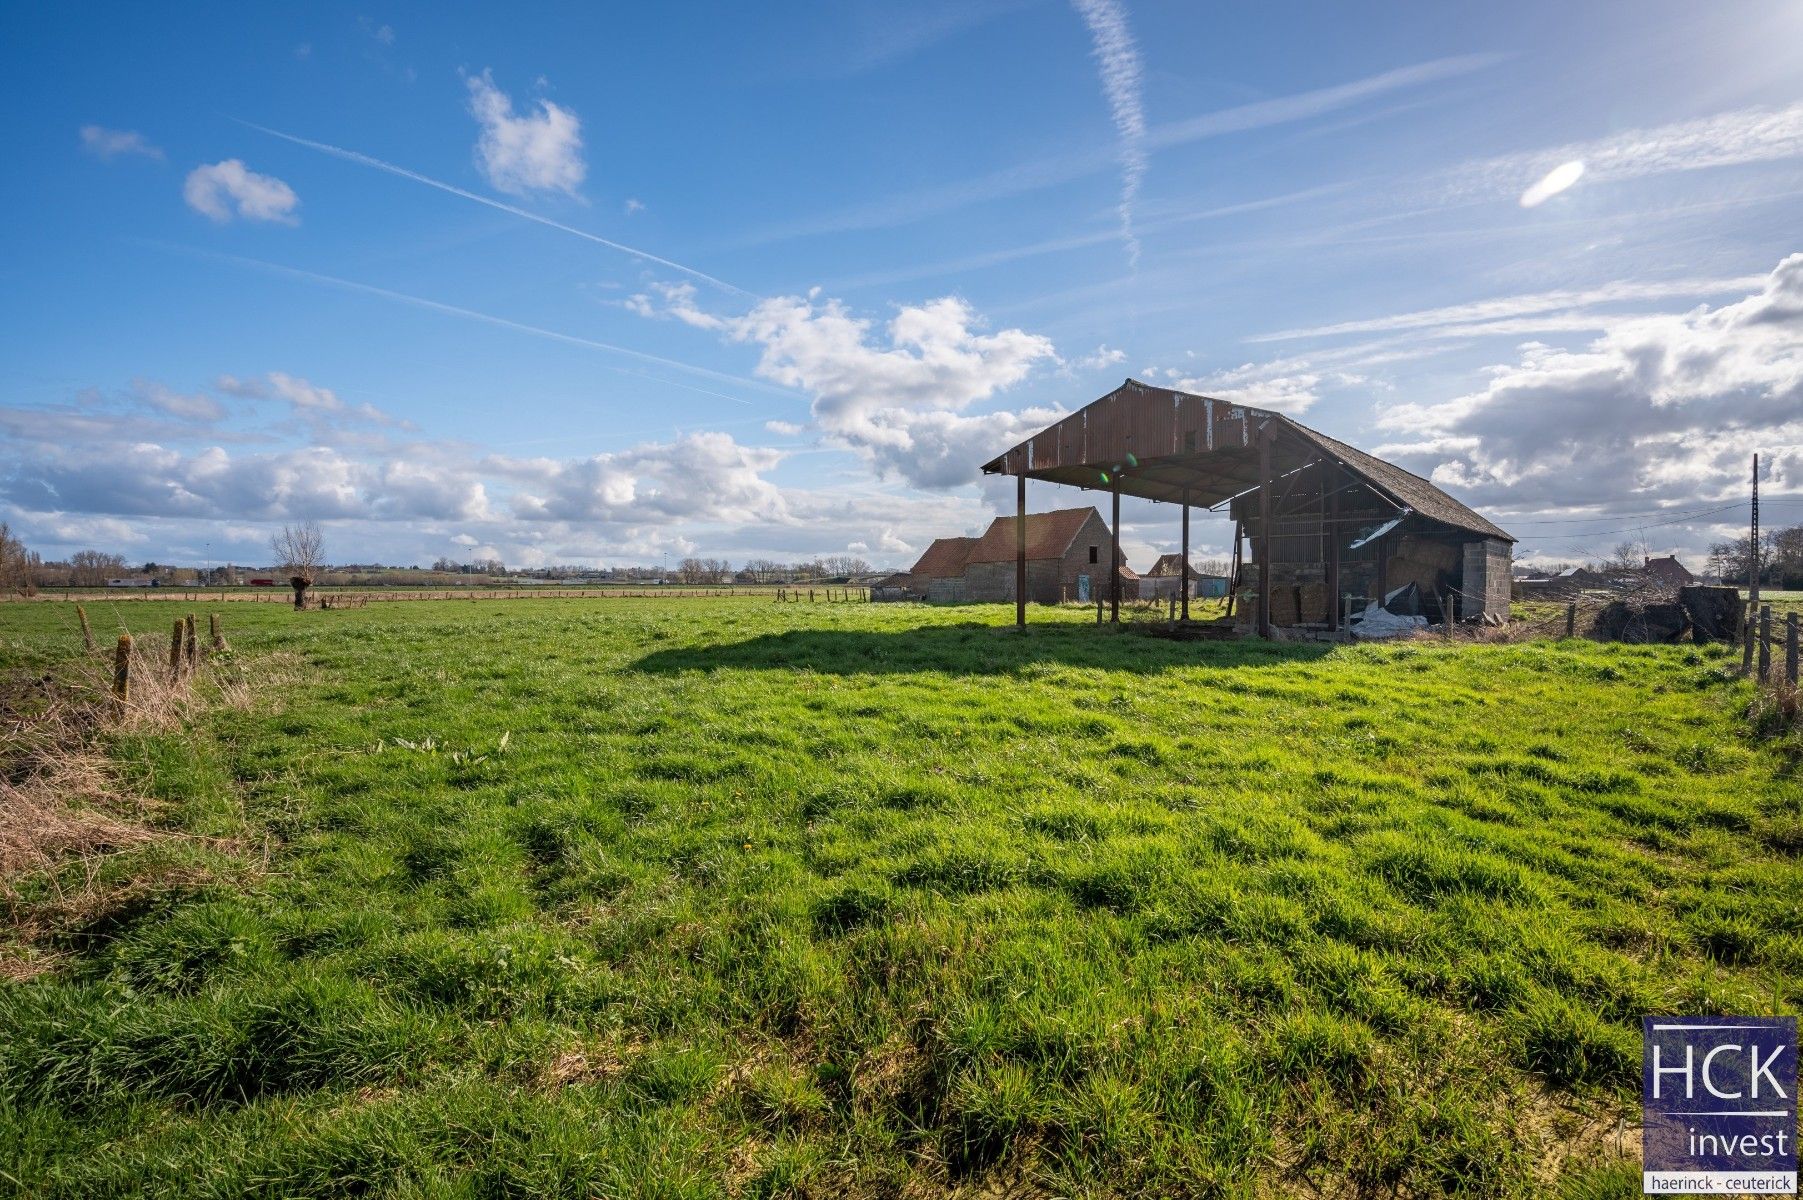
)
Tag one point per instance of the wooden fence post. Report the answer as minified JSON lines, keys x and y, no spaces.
{"x":87,"y":634}
{"x":1746,"y":641}
{"x":1571,"y":619}
{"x":122,"y":673}
{"x":1765,"y":642}
{"x":218,"y":633}
{"x":191,"y":651}
{"x":1790,"y":649}
{"x":175,"y":649}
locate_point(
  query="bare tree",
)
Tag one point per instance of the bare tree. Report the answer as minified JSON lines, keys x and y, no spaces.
{"x":91,"y":568}
{"x":300,"y":550}
{"x":1627,"y":556}
{"x":18,"y":566}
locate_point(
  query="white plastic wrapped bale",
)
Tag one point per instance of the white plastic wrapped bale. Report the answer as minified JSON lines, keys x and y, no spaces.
{"x":1378,"y":622}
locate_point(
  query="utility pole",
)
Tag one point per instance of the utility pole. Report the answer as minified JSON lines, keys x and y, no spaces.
{"x":1753,"y":544}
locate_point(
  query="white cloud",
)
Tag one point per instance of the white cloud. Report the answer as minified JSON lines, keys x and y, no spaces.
{"x":1658,"y":408}
{"x":225,"y":189}
{"x":633,"y":205}
{"x":899,"y":397}
{"x":111,"y":143}
{"x":197,"y":408}
{"x":701,"y":476}
{"x":1117,"y":59}
{"x":113,"y":469}
{"x":308,"y":400}
{"x":540,"y":151}
{"x":303,"y":395}
{"x":1285,"y":385}
{"x":1103,"y":357}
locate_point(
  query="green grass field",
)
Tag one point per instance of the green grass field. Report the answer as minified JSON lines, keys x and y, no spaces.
{"x":732,"y":898}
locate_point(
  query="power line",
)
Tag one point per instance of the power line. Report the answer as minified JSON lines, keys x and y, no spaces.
{"x":1588,"y":533}
{"x":1661,"y":512}
{"x":1678,"y":519}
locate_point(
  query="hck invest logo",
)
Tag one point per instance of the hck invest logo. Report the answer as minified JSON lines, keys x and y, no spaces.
{"x":1719,"y":1099}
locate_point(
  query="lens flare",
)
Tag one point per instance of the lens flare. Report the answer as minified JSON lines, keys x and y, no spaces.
{"x":1556,"y":181}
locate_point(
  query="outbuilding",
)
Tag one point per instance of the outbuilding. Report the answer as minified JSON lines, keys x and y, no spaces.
{"x":1329,"y":527}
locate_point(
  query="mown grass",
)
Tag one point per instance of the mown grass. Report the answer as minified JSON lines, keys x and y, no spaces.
{"x":708,"y":898}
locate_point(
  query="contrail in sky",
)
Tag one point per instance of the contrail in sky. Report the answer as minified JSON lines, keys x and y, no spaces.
{"x":1117,"y":58}
{"x":368,"y":289}
{"x":368,"y":161}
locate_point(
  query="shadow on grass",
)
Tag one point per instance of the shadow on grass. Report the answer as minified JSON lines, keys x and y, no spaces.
{"x":971,"y":649}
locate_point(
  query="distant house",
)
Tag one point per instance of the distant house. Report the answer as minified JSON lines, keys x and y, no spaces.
{"x":1669,"y":571}
{"x":1572,"y":580}
{"x":1163,"y":580}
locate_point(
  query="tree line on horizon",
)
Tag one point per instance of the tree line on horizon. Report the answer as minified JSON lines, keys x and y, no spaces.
{"x":22,"y":570}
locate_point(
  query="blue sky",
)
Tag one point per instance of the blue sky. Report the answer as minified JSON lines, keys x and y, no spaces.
{"x":606,"y":284}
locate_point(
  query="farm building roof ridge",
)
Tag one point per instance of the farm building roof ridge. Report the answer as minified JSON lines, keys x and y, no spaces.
{"x":1418,"y":493}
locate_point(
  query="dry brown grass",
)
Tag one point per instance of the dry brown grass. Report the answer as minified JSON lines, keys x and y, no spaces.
{"x":65,"y":812}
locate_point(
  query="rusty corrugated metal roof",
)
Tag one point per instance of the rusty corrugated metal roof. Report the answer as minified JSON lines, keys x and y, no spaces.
{"x":1049,"y":535}
{"x":1168,"y":445}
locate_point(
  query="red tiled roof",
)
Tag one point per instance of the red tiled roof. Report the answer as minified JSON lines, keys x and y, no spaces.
{"x":945,"y":558}
{"x":1669,"y":570}
{"x":1049,"y":535}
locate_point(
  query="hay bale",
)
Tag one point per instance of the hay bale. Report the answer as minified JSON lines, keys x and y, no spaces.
{"x":1655,"y":623}
{"x":1314,"y":602}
